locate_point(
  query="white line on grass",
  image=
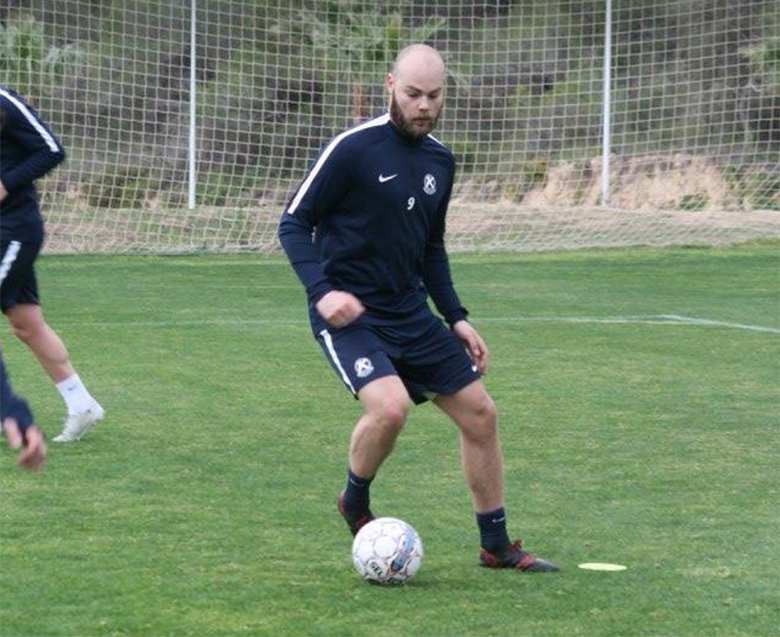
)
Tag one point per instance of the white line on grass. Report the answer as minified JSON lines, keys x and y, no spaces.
{"x":188,"y":323}
{"x":646,"y":320}
{"x":690,"y":320}
{"x":655,"y":319}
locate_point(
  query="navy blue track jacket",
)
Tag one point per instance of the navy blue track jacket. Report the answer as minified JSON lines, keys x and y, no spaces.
{"x":28,"y":150}
{"x":369,"y":218}
{"x":11,"y":405}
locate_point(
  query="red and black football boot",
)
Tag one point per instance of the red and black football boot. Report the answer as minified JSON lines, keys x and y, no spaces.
{"x":355,"y":522}
{"x":513,"y":556}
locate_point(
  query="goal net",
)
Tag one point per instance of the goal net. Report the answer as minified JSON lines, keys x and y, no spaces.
{"x":574,"y":123}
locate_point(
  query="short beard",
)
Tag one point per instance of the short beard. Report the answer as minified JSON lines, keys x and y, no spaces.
{"x":405,"y":125}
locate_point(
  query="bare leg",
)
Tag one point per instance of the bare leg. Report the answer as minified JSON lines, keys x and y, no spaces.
{"x":386,"y":404}
{"x":473,"y":412}
{"x":29,"y":325}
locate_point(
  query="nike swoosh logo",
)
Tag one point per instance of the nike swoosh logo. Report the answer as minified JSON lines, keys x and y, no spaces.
{"x":383,"y":179}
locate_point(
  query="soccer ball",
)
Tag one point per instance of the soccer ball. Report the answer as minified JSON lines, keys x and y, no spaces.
{"x":387,"y":551}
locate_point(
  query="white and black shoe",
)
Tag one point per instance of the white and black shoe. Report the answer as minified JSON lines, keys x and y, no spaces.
{"x":79,"y":423}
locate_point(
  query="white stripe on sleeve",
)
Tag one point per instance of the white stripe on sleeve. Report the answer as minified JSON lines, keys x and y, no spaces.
{"x":378,"y":121}
{"x":34,"y":122}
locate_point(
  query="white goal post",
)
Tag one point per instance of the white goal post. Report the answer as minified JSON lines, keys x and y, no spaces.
{"x":575,"y":123}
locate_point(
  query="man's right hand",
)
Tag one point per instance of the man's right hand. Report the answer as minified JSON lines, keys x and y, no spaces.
{"x":339,"y":308}
{"x":33,"y":454}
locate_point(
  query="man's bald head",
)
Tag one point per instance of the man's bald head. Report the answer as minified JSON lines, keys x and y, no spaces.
{"x":416,"y":88}
{"x":418,"y":57}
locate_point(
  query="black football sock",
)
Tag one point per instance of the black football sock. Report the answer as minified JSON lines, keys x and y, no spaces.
{"x":492,"y":530}
{"x":356,"y":495}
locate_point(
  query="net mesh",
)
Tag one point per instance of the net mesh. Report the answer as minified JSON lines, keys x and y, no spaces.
{"x":694,"y":131}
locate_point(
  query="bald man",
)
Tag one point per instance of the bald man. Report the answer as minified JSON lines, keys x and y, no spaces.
{"x":365,"y":234}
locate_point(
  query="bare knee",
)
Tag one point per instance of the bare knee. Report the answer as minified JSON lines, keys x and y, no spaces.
{"x":24,"y":333}
{"x":26,"y":321}
{"x":481,"y":424}
{"x":390,"y":416}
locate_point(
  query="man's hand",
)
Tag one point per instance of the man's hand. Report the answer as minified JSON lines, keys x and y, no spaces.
{"x":3,"y":191}
{"x":33,"y":456}
{"x":339,"y":308}
{"x":474,"y":344}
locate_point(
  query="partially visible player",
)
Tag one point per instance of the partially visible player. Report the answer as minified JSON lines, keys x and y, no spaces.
{"x":19,"y":425}
{"x":28,"y":150}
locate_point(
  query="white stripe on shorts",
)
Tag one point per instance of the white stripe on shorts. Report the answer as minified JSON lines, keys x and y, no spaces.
{"x":335,"y":358}
{"x":8,"y":259}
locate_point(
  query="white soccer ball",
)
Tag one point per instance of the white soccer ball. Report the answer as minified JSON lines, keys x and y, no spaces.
{"x":387,"y":551}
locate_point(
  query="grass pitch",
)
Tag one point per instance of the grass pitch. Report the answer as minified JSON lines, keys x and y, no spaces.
{"x":638,"y":393}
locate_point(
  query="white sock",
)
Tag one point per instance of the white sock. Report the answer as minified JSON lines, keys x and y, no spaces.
{"x":76,"y":396}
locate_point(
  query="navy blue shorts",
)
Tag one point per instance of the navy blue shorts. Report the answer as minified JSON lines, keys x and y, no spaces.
{"x":427,"y":357}
{"x":17,"y":274}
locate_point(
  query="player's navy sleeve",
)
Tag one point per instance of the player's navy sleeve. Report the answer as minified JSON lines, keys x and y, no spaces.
{"x":436,"y":276}
{"x":323,"y":188}
{"x":30,"y":148}
{"x":11,"y":405}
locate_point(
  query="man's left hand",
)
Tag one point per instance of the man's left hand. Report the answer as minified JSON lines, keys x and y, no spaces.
{"x":474,"y":344}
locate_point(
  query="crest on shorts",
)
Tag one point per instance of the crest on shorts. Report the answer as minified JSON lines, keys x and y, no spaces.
{"x":363,"y":367}
{"x":429,"y":184}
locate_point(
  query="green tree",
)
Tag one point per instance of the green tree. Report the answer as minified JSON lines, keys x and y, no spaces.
{"x":764,"y":60}
{"x":365,"y":38}
{"x":28,"y":61}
